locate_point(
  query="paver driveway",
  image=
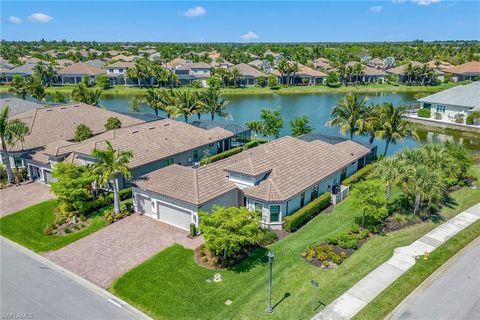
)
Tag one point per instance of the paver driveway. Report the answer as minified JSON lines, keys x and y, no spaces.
{"x":14,"y":198}
{"x":107,"y":254}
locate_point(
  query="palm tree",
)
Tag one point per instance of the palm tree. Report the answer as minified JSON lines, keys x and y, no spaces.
{"x":188,"y":103}
{"x":390,"y":169}
{"x":235,"y":75}
{"x":347,"y":113}
{"x":369,"y":123}
{"x":214,"y":104}
{"x":111,"y":164}
{"x":255,"y":126}
{"x":19,"y":86}
{"x":169,"y":103}
{"x":293,"y":69}
{"x":153,"y":99}
{"x":394,"y":127}
{"x":11,"y":132}
{"x":284,"y":68}
{"x":36,"y":88}
{"x":81,"y":93}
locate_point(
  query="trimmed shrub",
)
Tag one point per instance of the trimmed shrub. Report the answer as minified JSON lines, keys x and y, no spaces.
{"x":253,"y":143}
{"x":267,"y":237}
{"x":220,"y":156}
{"x":193,"y":230}
{"x":299,"y":217}
{"x":424,"y":113}
{"x":358,"y":176}
{"x":347,"y":241}
{"x":125,"y":194}
{"x":473,"y":118}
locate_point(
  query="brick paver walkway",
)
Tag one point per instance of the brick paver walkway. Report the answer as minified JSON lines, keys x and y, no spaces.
{"x":13,"y":199}
{"x":357,"y":297}
{"x":107,"y":254}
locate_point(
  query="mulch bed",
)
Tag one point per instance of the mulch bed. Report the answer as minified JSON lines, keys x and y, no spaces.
{"x":69,"y":227}
{"x":393,"y":225}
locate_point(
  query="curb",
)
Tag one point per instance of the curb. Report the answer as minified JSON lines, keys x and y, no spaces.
{"x":85,"y":283}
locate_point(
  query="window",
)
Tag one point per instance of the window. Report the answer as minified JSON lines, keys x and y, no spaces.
{"x":302,"y":199}
{"x":258,"y":207}
{"x":440,"y":108}
{"x":274,"y":213}
{"x":195,"y":155}
{"x":120,"y":70}
{"x":314,"y":192}
{"x":168,"y":162}
{"x":427,"y":106}
{"x":110,"y":70}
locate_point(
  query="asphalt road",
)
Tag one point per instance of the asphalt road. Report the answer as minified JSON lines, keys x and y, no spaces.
{"x":451,"y":293}
{"x":31,"y":289}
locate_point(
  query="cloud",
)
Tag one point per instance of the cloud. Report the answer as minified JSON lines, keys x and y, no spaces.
{"x":14,"y":20}
{"x":250,"y":35}
{"x":419,"y":2}
{"x":195,"y":12}
{"x":376,"y":8}
{"x":40,"y":18}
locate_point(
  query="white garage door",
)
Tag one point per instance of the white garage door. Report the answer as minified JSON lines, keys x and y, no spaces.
{"x":174,"y":216}
{"x":144,"y":205}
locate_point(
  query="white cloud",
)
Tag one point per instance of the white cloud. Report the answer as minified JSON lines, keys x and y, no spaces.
{"x":419,"y":2}
{"x":14,"y":20}
{"x":195,"y":12}
{"x":376,"y":8}
{"x":250,"y":35}
{"x":40,"y":17}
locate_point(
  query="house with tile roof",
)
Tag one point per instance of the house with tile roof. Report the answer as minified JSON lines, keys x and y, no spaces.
{"x":74,"y":73}
{"x":54,"y":126}
{"x":249,"y":74}
{"x":466,"y":71}
{"x":117,"y":72}
{"x":454,"y":104}
{"x":188,"y":72}
{"x":370,"y":75}
{"x":17,"y":106}
{"x":25,"y":71}
{"x":276,"y":179}
{"x":400,"y":71}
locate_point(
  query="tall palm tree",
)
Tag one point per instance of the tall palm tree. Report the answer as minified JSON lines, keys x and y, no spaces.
{"x":188,"y":104}
{"x":11,"y":132}
{"x":255,"y":126}
{"x":214,"y":104}
{"x":391,"y":170}
{"x":293,"y":69}
{"x":36,"y":88}
{"x":169,"y":103}
{"x":347,"y":113}
{"x":111,"y":164}
{"x":19,"y":86}
{"x":394,"y":127}
{"x":235,"y":76}
{"x":153,"y":99}
{"x":369,"y":122}
{"x":284,"y":68}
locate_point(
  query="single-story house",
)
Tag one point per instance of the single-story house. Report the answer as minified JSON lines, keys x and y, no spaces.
{"x":124,"y":58}
{"x":322,"y":64}
{"x":117,"y":70}
{"x":55,"y":126}
{"x":249,"y":74}
{"x":74,"y":73}
{"x":377,"y":63}
{"x":241,"y":134}
{"x":25,"y":71}
{"x":17,"y":106}
{"x":62,"y":63}
{"x":462,"y":99}
{"x":276,"y":179}
{"x":306,"y":75}
{"x":370,"y":75}
{"x":403,"y":77}
{"x":439,"y":65}
{"x":466,"y":71}
{"x":155,"y":145}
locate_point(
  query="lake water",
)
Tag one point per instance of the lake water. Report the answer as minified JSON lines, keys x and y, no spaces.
{"x":317,"y":107}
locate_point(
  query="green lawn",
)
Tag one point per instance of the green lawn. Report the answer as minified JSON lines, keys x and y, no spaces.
{"x":372,"y":88}
{"x":171,"y":285}
{"x":386,"y":302}
{"x":26,"y":227}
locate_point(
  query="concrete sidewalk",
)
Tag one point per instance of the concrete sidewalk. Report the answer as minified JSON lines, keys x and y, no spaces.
{"x":357,"y":297}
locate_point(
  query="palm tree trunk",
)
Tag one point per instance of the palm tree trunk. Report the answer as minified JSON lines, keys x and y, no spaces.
{"x":116,"y":197}
{"x":372,"y":138}
{"x":156,"y":112}
{"x":388,"y":190}
{"x":386,"y":147}
{"x":417,"y":203}
{"x":212,"y":115}
{"x":351,"y":134}
{"x":6,"y":161}
{"x":186,"y":119}
{"x":199,"y":115}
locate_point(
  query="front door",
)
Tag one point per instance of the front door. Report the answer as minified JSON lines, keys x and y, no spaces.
{"x":343,"y":174}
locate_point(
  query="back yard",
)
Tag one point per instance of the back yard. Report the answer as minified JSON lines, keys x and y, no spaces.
{"x":171,"y":285}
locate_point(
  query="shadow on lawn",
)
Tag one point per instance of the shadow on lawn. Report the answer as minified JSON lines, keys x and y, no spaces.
{"x":285,"y":296}
{"x":257,"y":257}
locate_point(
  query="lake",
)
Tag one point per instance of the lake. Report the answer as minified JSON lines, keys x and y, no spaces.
{"x":317,"y":107}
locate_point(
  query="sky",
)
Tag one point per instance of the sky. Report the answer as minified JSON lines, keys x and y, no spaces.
{"x":248,"y":21}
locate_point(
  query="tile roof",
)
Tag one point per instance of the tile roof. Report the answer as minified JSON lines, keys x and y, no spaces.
{"x":248,"y":71}
{"x":368,"y":71}
{"x":194,"y":65}
{"x":26,"y":69}
{"x":17,"y":106}
{"x":121,"y":64}
{"x":51,"y":124}
{"x":469,"y":68}
{"x":309,"y":72}
{"x":81,"y":68}
{"x":122,"y":57}
{"x":465,"y":96}
{"x":292,"y":165}
{"x":151,"y":141}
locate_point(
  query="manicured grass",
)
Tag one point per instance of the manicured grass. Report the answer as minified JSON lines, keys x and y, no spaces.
{"x":371,"y":88}
{"x":26,"y":227}
{"x":389,"y":299}
{"x":172,"y":286}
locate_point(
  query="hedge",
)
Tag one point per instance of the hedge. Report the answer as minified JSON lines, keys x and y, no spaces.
{"x":302,"y":215}
{"x":231,"y":152}
{"x":424,"y":113}
{"x":358,"y":176}
{"x":253,"y":143}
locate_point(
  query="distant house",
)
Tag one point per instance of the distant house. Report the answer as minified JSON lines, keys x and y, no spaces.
{"x":403,"y":77}
{"x":74,"y":73}
{"x":377,"y":63}
{"x":25,"y":71}
{"x":249,"y":74}
{"x":51,"y":127}
{"x":224,"y":64}
{"x":466,"y":71}
{"x":96,"y":63}
{"x":322,"y":64}
{"x":370,"y":75}
{"x":117,"y":72}
{"x":439,"y":65}
{"x":62,"y":63}
{"x":193,"y":71}
{"x":175,"y":63}
{"x":275,"y":179}
{"x":17,"y":106}
{"x":308,"y":76}
{"x":124,"y":58}
{"x":458,"y":102}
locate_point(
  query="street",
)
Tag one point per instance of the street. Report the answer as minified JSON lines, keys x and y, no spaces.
{"x":453,"y":292}
{"x":31,"y":289}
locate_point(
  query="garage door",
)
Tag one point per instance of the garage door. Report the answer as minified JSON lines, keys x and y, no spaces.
{"x":144,"y":205}
{"x":174,"y":216}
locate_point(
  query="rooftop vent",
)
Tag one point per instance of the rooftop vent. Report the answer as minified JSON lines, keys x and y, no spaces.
{"x":62,"y":108}
{"x":166,"y":124}
{"x":48,"y":110}
{"x":151,"y":128}
{"x":76,"y":106}
{"x":135,"y":131}
{"x":6,"y":100}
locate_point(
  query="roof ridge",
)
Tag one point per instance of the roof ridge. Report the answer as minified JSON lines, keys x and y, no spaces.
{"x":195,"y":185}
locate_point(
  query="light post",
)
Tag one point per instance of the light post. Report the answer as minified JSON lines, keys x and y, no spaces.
{"x":270,"y":256}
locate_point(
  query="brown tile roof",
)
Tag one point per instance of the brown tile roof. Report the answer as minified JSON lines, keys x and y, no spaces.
{"x":122,"y":57}
{"x":151,"y":141}
{"x":121,"y":64}
{"x":82,"y":68}
{"x":309,"y":72}
{"x":469,"y":68}
{"x":194,"y":65}
{"x":400,"y":70}
{"x":368,"y":71}
{"x":59,"y":123}
{"x":292,"y":166}
{"x":175,"y":62}
{"x":443,"y":65}
{"x":249,"y":71}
